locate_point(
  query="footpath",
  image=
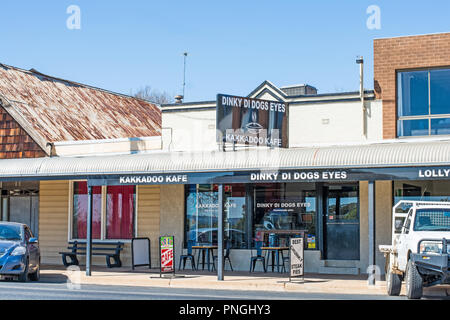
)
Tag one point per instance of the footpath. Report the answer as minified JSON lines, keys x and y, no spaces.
{"x":142,"y":277}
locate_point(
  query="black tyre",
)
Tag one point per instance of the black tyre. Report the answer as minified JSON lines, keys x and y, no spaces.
{"x":393,"y":284}
{"x":24,"y":276}
{"x":35,"y":276}
{"x":414,"y":282}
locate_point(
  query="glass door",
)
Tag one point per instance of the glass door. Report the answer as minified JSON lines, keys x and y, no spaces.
{"x":341,"y":222}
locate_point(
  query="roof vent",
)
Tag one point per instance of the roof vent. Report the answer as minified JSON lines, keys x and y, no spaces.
{"x":179,"y":98}
{"x":299,"y":90}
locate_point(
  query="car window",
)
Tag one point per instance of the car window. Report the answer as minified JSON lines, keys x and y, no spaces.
{"x":10,"y":232}
{"x":28,"y":234}
{"x":432,"y":220}
{"x":31,"y":233}
{"x":408,"y":222}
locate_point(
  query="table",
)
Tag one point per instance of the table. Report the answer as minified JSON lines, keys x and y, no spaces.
{"x":208,"y":250}
{"x":281,"y":233}
{"x":275,"y":251}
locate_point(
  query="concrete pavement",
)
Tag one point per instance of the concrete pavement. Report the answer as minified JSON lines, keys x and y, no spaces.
{"x":143,"y":277}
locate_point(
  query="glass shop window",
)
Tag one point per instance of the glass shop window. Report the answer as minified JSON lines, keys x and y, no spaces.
{"x":113,"y":218}
{"x":120,"y":202}
{"x":202,"y":214}
{"x":80,"y":203}
{"x":423,"y":102}
{"x":426,"y":190}
{"x":282,"y":211}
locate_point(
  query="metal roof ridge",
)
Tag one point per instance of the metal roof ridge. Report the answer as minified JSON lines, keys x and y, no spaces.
{"x":34,"y":71}
{"x":99,"y":141}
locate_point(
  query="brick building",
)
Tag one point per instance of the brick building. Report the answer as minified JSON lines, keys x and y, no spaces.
{"x":392,"y":55}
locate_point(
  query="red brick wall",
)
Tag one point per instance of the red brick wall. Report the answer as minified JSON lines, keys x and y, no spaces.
{"x":394,"y":54}
{"x":14,"y":141}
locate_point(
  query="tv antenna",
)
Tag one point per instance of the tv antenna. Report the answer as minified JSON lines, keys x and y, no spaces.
{"x":184,"y":72}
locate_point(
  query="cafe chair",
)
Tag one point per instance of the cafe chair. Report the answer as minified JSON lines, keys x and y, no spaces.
{"x":226,"y":256}
{"x":188,"y":256}
{"x":259,"y":257}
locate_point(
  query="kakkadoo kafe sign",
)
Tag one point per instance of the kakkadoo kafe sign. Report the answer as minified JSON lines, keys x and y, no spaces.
{"x":247,"y":121}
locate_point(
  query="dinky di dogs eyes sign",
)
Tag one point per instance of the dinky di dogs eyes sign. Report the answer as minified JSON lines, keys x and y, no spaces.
{"x":247,"y":121}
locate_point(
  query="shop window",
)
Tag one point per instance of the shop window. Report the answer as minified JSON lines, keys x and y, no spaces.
{"x":252,"y":213}
{"x":202,"y":214}
{"x":113,"y":211}
{"x":80,"y":200}
{"x":423,"y":102}
{"x":432,"y":190}
{"x":285,"y":210}
{"x":120,"y":212}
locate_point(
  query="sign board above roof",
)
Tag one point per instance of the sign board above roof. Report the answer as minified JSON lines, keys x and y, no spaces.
{"x":247,"y":121}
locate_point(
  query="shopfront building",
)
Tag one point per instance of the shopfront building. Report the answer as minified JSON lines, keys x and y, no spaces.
{"x":345,"y":163}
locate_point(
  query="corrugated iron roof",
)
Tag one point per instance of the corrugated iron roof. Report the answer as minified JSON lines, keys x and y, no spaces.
{"x":60,"y":110}
{"x":357,"y":156}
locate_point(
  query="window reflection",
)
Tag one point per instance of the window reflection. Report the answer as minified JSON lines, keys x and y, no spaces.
{"x":284,"y":210}
{"x":421,"y":191}
{"x":252,"y":213}
{"x":421,"y":95}
{"x":202,"y":214}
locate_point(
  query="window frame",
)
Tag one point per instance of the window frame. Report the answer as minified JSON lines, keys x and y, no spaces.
{"x":429,"y":117}
{"x":103,"y":216}
{"x":250,"y":197}
{"x":185,"y":225}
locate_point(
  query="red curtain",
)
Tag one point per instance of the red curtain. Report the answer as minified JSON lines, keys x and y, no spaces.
{"x":120,"y":212}
{"x":80,"y":200}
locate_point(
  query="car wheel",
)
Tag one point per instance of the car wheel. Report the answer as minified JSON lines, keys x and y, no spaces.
{"x":35,"y":276}
{"x":24,"y":276}
{"x":414,"y":282}
{"x":393,"y":283}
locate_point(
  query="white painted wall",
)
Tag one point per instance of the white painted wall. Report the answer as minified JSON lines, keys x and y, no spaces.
{"x":107,"y":146}
{"x":336,"y":122}
{"x":189,"y":130}
{"x":309,"y":124}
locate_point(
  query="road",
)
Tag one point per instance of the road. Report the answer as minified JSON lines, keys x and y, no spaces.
{"x":11,"y":290}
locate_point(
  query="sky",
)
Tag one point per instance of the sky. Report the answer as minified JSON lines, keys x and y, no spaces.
{"x":232,"y":46}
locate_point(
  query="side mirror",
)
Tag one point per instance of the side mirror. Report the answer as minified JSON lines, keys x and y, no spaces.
{"x":33,"y":240}
{"x":399,"y":224}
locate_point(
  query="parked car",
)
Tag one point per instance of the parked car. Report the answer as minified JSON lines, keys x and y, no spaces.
{"x":419,"y":253}
{"x":19,"y":252}
{"x":209,"y":235}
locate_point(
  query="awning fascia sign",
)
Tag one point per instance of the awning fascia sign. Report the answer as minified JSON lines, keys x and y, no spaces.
{"x":277,"y":176}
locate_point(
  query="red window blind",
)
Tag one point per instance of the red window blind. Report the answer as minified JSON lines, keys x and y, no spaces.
{"x":80,"y":200}
{"x":120,"y":202}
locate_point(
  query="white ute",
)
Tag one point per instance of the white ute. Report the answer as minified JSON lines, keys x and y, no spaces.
{"x":419,"y":251}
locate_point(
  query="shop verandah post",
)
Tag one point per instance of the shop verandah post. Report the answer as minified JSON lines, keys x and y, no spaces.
{"x":89,"y":232}
{"x":220,"y":264}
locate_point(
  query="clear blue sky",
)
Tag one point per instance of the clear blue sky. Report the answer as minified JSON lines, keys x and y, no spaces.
{"x":233,"y":45}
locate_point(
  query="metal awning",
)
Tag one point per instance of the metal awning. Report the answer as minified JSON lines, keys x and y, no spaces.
{"x":394,"y":154}
{"x":397,"y":154}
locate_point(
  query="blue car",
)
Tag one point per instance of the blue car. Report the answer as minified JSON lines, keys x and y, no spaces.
{"x":19,"y":252}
